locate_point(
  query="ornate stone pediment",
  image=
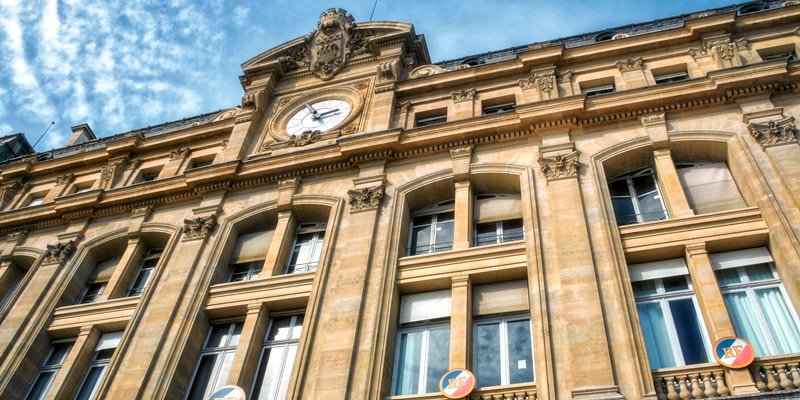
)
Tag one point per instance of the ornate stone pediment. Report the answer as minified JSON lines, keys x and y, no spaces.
{"x":199,"y":227}
{"x":774,"y":132}
{"x":57,"y":253}
{"x":560,"y":166}
{"x":365,"y":198}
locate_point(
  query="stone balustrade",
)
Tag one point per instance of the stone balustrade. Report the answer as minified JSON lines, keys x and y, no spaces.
{"x":777,"y":373}
{"x":707,"y":380}
{"x":515,"y":392}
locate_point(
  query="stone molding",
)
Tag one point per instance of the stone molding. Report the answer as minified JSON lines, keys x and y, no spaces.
{"x":461,"y":152}
{"x":142,"y":211}
{"x":16,"y":236}
{"x":725,"y":48}
{"x":109,"y":172}
{"x":9,"y":190}
{"x":288,"y":183}
{"x":404,"y":107}
{"x":365,"y":199}
{"x":199,"y":227}
{"x":560,"y":166}
{"x":65,"y":179}
{"x":545,"y":80}
{"x":464,"y":95}
{"x":564,"y":76}
{"x":179,"y":153}
{"x":631,"y":64}
{"x":59,"y":252}
{"x":653,"y":120}
{"x":304,"y":138}
{"x":389,"y":70}
{"x":774,"y":132}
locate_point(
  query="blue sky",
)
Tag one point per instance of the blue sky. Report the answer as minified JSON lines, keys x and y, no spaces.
{"x":124,"y":65}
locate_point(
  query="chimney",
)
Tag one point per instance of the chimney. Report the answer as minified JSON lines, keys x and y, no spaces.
{"x":80,"y":134}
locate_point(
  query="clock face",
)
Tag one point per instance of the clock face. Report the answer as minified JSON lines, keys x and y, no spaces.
{"x":320,"y":116}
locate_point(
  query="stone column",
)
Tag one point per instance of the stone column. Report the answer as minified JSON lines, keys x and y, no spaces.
{"x":463,"y":104}
{"x":670,"y":185}
{"x":60,"y":189}
{"x":403,"y":113}
{"x":380,"y":117}
{"x":245,"y":361}
{"x":248,"y":119}
{"x":120,"y":280}
{"x":569,"y":256}
{"x":461,"y":322}
{"x":715,"y":313}
{"x":69,"y":377}
{"x":178,"y":158}
{"x":462,"y":225}
{"x":283,"y":238}
{"x":777,"y":139}
{"x":632,"y":70}
{"x":332,"y":357}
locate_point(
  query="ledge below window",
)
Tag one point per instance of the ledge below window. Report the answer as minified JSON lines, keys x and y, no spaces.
{"x":520,"y":391}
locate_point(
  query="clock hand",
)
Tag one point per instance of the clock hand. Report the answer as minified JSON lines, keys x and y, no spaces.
{"x":314,"y":112}
{"x":329,"y":112}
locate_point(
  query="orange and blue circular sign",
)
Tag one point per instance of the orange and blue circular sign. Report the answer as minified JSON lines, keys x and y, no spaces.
{"x":230,"y":392}
{"x":734,"y":352}
{"x":457,"y":383}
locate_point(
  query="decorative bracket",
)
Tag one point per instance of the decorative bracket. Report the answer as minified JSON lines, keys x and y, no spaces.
{"x":774,"y":132}
{"x":560,"y":166}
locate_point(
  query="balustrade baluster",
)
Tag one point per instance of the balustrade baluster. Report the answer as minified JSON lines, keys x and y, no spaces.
{"x":722,"y":388}
{"x":684,"y":390}
{"x":772,"y":383}
{"x":709,"y":388}
{"x":783,"y":378}
{"x":661,"y":392}
{"x":697,"y":392}
{"x":671,"y":393}
{"x":795,"y":374}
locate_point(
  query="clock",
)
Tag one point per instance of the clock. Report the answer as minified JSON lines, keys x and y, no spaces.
{"x":319,"y":115}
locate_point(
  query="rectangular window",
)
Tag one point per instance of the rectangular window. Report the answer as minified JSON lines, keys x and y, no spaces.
{"x":757,"y":302}
{"x":786,"y":52}
{"x":498,"y":219}
{"x":431,"y":229}
{"x":96,"y":284}
{"x":502,"y":341}
{"x":428,"y":118}
{"x":97,"y":369}
{"x":709,"y":187}
{"x":148,"y":176}
{"x":146,"y":269}
{"x":277,"y":358}
{"x":670,"y":319}
{"x":35,"y":201}
{"x":636,"y":197}
{"x":307,"y":248}
{"x":499,"y":108}
{"x":59,"y":350}
{"x":598,"y":90}
{"x":422,"y":355}
{"x":249,"y":254}
{"x":671,"y":77}
{"x":83,"y":189}
{"x":200,"y":163}
{"x":215,"y":360}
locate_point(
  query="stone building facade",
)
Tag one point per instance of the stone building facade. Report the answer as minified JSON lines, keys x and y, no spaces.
{"x":577,"y":219}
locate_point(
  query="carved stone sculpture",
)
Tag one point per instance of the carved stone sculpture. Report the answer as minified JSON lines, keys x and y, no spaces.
{"x":464,"y":95}
{"x":630,"y":64}
{"x":560,"y":166}
{"x":329,"y":44}
{"x":199,"y":227}
{"x":304,"y":138}
{"x":65,"y":179}
{"x":59,"y":252}
{"x":774,"y":132}
{"x":365,"y":198}
{"x":179,"y":154}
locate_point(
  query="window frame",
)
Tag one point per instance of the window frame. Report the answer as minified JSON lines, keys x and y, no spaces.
{"x":598,"y":90}
{"x":671,"y":77}
{"x":221,"y":352}
{"x":424,"y":120}
{"x":286,"y":343}
{"x":424,"y":327}
{"x":633,"y":195}
{"x":442,"y":207}
{"x":86,"y":298}
{"x":662,"y":298}
{"x":500,"y":234}
{"x":500,"y":108}
{"x":49,"y":368}
{"x":318,"y":230}
{"x":505,"y":361}
{"x":97,"y":362}
{"x":133,"y":290}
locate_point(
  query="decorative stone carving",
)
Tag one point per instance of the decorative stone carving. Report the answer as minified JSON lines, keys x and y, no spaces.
{"x":560,"y":166}
{"x":133,"y":164}
{"x":389,"y":71}
{"x":620,"y":36}
{"x":545,"y":80}
{"x":179,"y":153}
{"x":537,"y":46}
{"x":653,"y":120}
{"x":365,"y":198}
{"x":362,"y":85}
{"x":109,"y":172}
{"x":226,"y":114}
{"x":774,"y":132}
{"x":564,"y":76}
{"x":404,"y":107}
{"x":350,"y":129}
{"x":251,"y":101}
{"x":199,"y":227}
{"x":294,"y":58}
{"x":9,"y":190}
{"x":304,"y":138}
{"x":528,"y":83}
{"x":425,"y":70}
{"x":65,"y":179}
{"x":464,"y":95}
{"x":138,"y":212}
{"x":16,"y":236}
{"x":698,"y":52}
{"x":461,"y":152}
{"x":59,"y":252}
{"x":630,"y":64}
{"x":288,"y":183}
{"x":328,"y":46}
{"x":724,"y":48}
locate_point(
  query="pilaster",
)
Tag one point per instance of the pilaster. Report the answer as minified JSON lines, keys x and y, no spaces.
{"x":60,"y":188}
{"x":245,"y":361}
{"x":462,"y":229}
{"x":121,"y":277}
{"x":74,"y":367}
{"x":670,"y":185}
{"x":460,"y":322}
{"x":380,"y":117}
{"x":464,"y":103}
{"x":178,"y":158}
{"x":632,"y":70}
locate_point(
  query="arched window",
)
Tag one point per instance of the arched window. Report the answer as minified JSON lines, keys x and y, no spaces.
{"x":431,"y":229}
{"x":636,"y":197}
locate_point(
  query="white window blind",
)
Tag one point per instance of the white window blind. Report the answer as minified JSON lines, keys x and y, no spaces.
{"x":109,"y":340}
{"x":709,"y":187}
{"x":740,"y":258}
{"x":499,"y":208}
{"x":102,"y":271}
{"x":658,"y":269}
{"x":252,"y":247}
{"x":498,"y":298}
{"x":425,"y":306}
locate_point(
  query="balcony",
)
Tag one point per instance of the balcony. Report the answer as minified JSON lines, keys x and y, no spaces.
{"x":777,"y":373}
{"x":520,"y":391}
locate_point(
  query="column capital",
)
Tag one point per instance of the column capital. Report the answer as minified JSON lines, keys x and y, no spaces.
{"x":774,"y":132}
{"x":365,"y":199}
{"x":199,"y":227}
{"x":696,"y":249}
{"x":461,"y":281}
{"x":560,"y":166}
{"x":59,"y":252}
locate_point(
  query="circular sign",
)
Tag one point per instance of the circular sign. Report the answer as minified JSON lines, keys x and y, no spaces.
{"x":230,"y":392}
{"x":457,"y":383}
{"x":734,"y":352}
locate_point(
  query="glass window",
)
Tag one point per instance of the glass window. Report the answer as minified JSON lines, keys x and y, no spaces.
{"x":246,"y":271}
{"x":498,"y":232}
{"x":758,"y":306}
{"x":673,"y":331}
{"x":503,"y":351}
{"x":499,"y":108}
{"x":277,"y":358}
{"x":146,"y":269}
{"x":636,"y":198}
{"x":709,"y":187}
{"x":215,"y":360}
{"x":49,"y":369}
{"x":97,"y":368}
{"x":598,"y":90}
{"x":35,"y":201}
{"x":432,"y":229}
{"x":307,"y":248}
{"x":92,"y":292}
{"x":15,"y":275}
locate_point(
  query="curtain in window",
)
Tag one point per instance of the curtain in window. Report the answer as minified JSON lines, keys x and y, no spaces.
{"x":409,"y":357}
{"x":709,"y":187}
{"x":656,"y":338}
{"x":780,"y":320}
{"x":745,"y":323}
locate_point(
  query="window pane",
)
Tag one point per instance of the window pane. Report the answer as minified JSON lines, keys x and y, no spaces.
{"x":202,"y":378}
{"x":59,"y":353}
{"x":675,"y":283}
{"x":280,"y":329}
{"x":233,"y":339}
{"x":644,"y":288}
{"x":744,"y":322}
{"x":217,"y":336}
{"x":422,"y":220}
{"x":408,"y":363}
{"x":780,"y":320}
{"x":623,"y":210}
{"x":141,"y":281}
{"x":438,"y":356}
{"x":487,"y":354}
{"x":485,"y":233}
{"x":689,"y":334}
{"x":91,"y":383}
{"x":444,"y":236}
{"x":759,"y":272}
{"x":651,"y":208}
{"x":225,"y":368}
{"x":728,"y":276}
{"x":520,"y":353}
{"x":40,"y":386}
{"x":287,"y":371}
{"x":420,"y":240}
{"x":512,"y":230}
{"x":619,"y":188}
{"x":445,"y":216}
{"x":644,"y":184}
{"x":656,"y":338}
{"x":298,"y":327}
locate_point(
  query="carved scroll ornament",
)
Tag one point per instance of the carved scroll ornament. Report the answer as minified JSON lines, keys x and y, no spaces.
{"x":304,"y":138}
{"x":199,"y":227}
{"x":59,"y":252}
{"x":560,"y":166}
{"x":464,"y":95}
{"x":365,"y":198}
{"x":774,"y":132}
